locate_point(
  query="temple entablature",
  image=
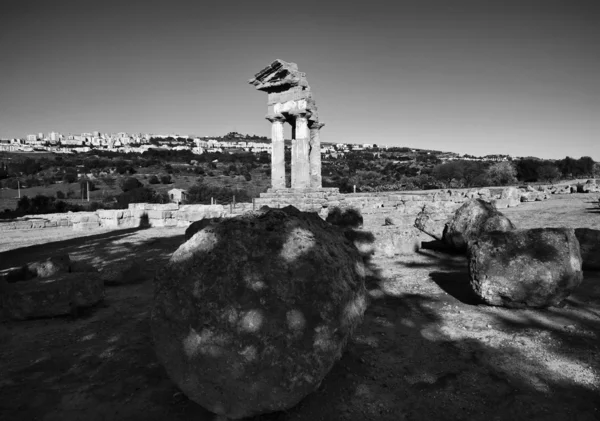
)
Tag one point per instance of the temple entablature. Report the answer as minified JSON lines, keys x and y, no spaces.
{"x":290,"y":101}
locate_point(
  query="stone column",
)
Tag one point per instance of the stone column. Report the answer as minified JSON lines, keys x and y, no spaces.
{"x":300,"y":152}
{"x":277,"y":152}
{"x":315,"y":156}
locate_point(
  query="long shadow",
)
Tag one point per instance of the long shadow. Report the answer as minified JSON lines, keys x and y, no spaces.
{"x":19,"y":256}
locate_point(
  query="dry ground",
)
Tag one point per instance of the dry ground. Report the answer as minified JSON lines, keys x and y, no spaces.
{"x":426,"y":350}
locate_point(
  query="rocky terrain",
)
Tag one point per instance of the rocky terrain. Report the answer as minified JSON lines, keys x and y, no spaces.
{"x":426,"y":349}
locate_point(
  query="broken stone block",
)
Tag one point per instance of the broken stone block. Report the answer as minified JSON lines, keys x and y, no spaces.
{"x":589,"y":245}
{"x":60,"y":294}
{"x":50,"y":267}
{"x":432,"y":223}
{"x":525,"y":268}
{"x":123,"y":273}
{"x":250,"y":314}
{"x":472,"y":219}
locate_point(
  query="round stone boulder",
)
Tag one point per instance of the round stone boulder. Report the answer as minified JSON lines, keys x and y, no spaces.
{"x":525,"y":268}
{"x":198,"y":225}
{"x":472,"y":219}
{"x":250,"y":314}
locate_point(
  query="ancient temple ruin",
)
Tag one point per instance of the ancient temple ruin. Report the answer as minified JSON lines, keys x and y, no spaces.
{"x":290,"y":101}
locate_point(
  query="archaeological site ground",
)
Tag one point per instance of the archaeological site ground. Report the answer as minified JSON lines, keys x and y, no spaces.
{"x":425,"y":350}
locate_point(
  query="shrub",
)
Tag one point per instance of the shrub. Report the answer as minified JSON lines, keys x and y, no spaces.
{"x":69,"y":178}
{"x":139,"y":195}
{"x":153,"y":180}
{"x":202,"y":193}
{"x":60,"y":195}
{"x":41,"y":204}
{"x":165,"y":179}
{"x":130,"y":183}
{"x":548,"y":172}
{"x":502,"y":174}
{"x":347,"y":218}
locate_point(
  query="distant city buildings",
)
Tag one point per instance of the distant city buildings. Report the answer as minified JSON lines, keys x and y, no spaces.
{"x":141,"y":142}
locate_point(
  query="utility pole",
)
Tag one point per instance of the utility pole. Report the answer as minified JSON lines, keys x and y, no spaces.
{"x":19,"y":187}
{"x":88,"y":190}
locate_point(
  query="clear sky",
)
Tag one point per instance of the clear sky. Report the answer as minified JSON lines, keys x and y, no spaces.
{"x":518,"y":77}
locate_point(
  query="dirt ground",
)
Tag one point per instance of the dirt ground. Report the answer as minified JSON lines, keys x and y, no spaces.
{"x":426,"y":349}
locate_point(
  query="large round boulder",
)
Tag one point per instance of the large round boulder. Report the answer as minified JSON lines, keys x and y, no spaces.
{"x":525,"y":268}
{"x":198,"y":225}
{"x":472,"y":219}
{"x":250,"y":314}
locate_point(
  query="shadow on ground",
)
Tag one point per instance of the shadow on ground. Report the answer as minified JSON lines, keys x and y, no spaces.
{"x":425,"y":350}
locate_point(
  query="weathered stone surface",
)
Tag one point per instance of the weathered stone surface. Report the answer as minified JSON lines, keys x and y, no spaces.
{"x":590,"y":186}
{"x":60,"y":294}
{"x":525,"y":268}
{"x":79,"y":266}
{"x":511,"y":193}
{"x":432,"y":223}
{"x":50,"y":267}
{"x":198,"y":225}
{"x":123,"y":273}
{"x":472,"y":219}
{"x":252,"y":313}
{"x":589,"y":245}
{"x":385,"y":241}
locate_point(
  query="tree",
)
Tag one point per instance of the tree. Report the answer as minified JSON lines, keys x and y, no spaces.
{"x":165,"y":179}
{"x":153,"y":179}
{"x":548,"y":172}
{"x":130,"y":183}
{"x":138,"y":195}
{"x":502,"y":174}
{"x":453,"y":170}
{"x":69,"y":177}
{"x":60,"y":195}
{"x":527,"y":169}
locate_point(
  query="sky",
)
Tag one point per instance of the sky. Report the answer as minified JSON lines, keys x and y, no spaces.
{"x":517,"y":77}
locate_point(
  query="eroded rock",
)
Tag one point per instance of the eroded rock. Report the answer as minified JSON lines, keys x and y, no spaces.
{"x":432,"y":223}
{"x":50,"y":267}
{"x":525,"y":268}
{"x":472,"y":219}
{"x":198,"y":225}
{"x":60,"y":294}
{"x":589,"y":245}
{"x":123,"y":273}
{"x":250,"y":314}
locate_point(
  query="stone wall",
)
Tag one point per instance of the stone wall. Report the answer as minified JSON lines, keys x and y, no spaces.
{"x":378,"y":209}
{"x":40,"y":221}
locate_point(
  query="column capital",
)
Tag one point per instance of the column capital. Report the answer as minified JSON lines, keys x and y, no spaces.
{"x":297,"y":113}
{"x":275,"y":117}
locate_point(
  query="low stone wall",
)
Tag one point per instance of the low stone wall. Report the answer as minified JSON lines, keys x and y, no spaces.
{"x":52,"y":220}
{"x":375,"y":207}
